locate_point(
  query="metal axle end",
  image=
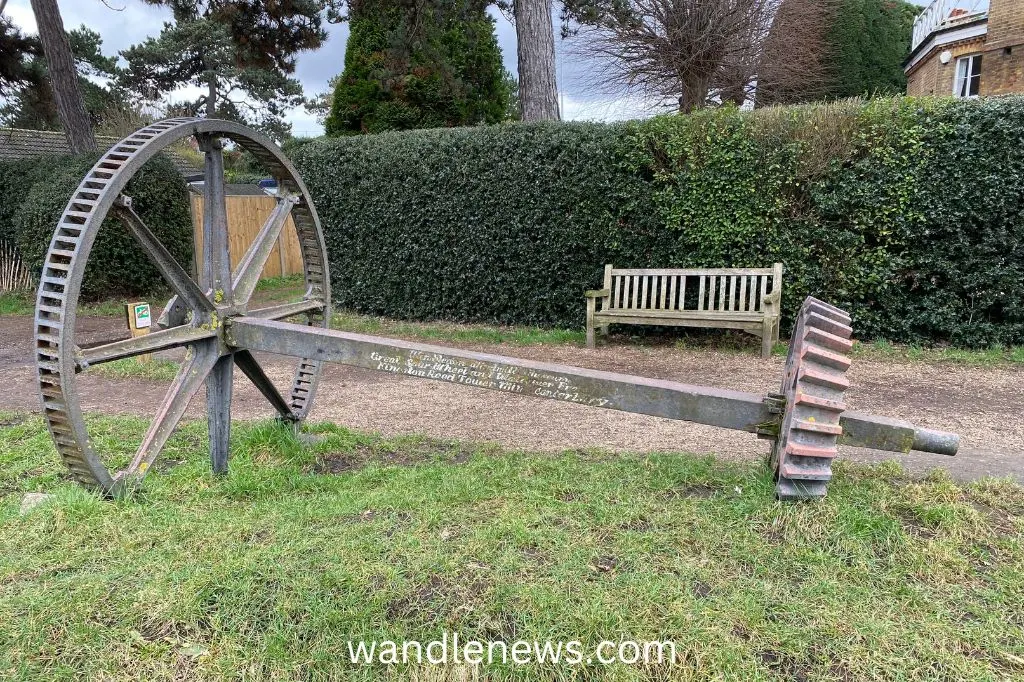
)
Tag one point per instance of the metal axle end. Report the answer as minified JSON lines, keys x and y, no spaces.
{"x":938,"y":442}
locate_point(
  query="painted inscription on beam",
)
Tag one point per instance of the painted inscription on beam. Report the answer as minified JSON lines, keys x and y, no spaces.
{"x":522,"y":380}
{"x":528,"y":378}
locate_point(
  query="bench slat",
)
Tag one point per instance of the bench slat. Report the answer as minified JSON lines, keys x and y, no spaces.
{"x":716,"y":292}
{"x":692,"y":272}
{"x":679,"y":314}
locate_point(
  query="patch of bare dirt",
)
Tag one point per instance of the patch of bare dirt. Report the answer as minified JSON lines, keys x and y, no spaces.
{"x":438,"y":599}
{"x":404,"y":452}
{"x":696,"y":490}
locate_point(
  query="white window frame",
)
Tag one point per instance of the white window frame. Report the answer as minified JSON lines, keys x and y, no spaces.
{"x":959,"y":81}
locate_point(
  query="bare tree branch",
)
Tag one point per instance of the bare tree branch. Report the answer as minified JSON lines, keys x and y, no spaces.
{"x":695,"y":52}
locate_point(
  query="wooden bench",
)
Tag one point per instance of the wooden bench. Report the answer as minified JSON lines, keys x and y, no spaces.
{"x":722,"y":298}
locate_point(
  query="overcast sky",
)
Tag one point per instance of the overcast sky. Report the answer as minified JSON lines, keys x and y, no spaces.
{"x":132,"y":21}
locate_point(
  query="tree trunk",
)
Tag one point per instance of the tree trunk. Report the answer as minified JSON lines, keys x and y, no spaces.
{"x":60,"y":65}
{"x":535,"y":33}
{"x":694,"y":95}
{"x":211,"y":96}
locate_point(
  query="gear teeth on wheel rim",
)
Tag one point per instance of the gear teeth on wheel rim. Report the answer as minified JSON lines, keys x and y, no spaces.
{"x":814,"y":387}
{"x":65,"y":263}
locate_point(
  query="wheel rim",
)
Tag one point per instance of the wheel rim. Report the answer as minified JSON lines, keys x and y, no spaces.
{"x":211,"y":301}
{"x":814,"y":386}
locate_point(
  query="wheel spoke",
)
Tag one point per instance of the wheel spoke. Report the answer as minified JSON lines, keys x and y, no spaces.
{"x":139,"y":345}
{"x":279,"y":312}
{"x":190,"y":378}
{"x":252,"y":369}
{"x":216,"y":257}
{"x":249,"y":270}
{"x":179,"y":280}
{"x":218,"y":412}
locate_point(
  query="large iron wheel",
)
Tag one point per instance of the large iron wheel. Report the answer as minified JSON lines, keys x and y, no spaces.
{"x":195,"y":317}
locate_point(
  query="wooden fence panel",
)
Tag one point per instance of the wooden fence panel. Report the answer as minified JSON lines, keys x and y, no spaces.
{"x":246,"y":216}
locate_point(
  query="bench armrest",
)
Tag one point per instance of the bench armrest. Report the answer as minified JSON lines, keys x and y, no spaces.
{"x":771,"y":303}
{"x":598,"y":293}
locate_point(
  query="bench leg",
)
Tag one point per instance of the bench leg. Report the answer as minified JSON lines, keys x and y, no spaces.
{"x":591,"y":305}
{"x":767,"y":338}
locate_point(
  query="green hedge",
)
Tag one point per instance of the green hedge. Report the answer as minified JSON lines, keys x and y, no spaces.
{"x":17,"y":177}
{"x":117,"y":267}
{"x":907,"y":212}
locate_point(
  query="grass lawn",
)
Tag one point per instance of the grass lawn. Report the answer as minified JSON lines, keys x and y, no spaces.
{"x":269,"y":572}
{"x":24,"y":303}
{"x":157,"y":369}
{"x":439,"y":332}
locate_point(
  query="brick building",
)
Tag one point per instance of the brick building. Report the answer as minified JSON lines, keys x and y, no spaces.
{"x":967,"y":48}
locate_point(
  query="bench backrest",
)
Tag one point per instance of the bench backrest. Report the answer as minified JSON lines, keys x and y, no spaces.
{"x":712,"y":290}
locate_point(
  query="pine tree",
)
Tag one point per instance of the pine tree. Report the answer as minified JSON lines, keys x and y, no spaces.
{"x":535,"y":46}
{"x":25,"y":80}
{"x":242,"y":53}
{"x":63,"y":77}
{"x":419,"y":64}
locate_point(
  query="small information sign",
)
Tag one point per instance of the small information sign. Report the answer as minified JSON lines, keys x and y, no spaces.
{"x":139,"y":321}
{"x":140,"y":311}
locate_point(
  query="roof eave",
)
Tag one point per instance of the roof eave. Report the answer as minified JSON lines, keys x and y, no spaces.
{"x":926,"y":43}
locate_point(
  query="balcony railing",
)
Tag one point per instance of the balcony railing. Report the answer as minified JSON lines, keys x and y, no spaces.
{"x":944,"y":14}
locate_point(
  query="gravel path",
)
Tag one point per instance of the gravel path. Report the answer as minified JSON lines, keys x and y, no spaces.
{"x":983,"y":405}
